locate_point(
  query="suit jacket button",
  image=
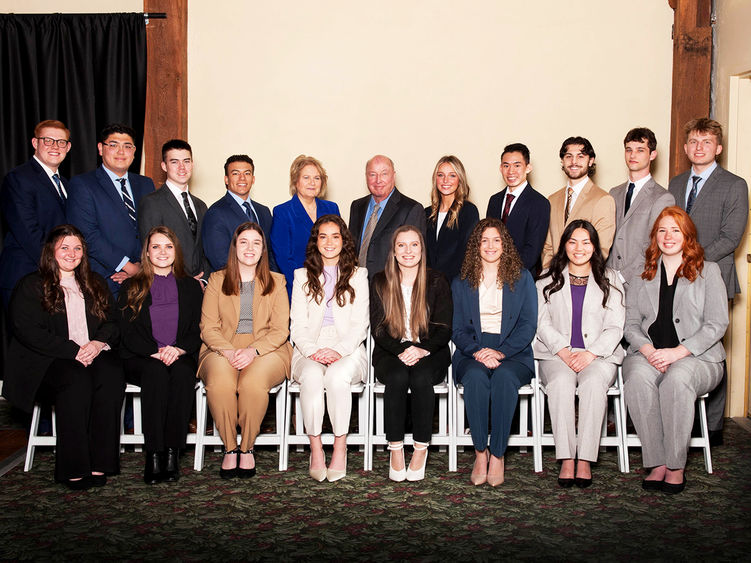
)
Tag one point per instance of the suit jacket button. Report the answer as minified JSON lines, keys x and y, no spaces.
{"x":677,"y":320}
{"x":619,"y":257}
{"x":683,"y":339}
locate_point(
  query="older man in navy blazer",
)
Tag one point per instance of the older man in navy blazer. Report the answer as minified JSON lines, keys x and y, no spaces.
{"x":234,"y":209}
{"x":103,"y":204}
{"x":524,"y":211}
{"x":33,"y":203}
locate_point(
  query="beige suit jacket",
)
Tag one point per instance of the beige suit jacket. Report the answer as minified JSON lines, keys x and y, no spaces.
{"x":220,"y":315}
{"x":351,"y":321}
{"x":602,"y":328}
{"x":594,"y":205}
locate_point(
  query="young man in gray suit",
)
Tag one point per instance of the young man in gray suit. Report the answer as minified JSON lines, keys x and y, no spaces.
{"x":638,"y":202}
{"x":175,"y":207}
{"x":717,"y":202}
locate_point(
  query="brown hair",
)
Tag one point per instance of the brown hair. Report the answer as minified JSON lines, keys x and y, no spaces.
{"x":296,"y":169}
{"x":693,"y":253}
{"x":314,"y":263}
{"x":460,"y":196}
{"x":509,"y":266}
{"x":231,"y":285}
{"x":704,"y":125}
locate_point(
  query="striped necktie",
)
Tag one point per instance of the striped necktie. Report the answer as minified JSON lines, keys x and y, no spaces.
{"x":127,"y":200}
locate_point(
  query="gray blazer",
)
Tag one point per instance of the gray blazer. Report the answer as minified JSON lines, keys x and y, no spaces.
{"x":602,"y":328}
{"x":632,"y":229}
{"x":700,"y":309}
{"x":720,"y":213}
{"x":161,"y":208}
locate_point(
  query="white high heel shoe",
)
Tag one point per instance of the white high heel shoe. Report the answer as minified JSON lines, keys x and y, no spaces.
{"x":394,"y":474}
{"x":418,"y":474}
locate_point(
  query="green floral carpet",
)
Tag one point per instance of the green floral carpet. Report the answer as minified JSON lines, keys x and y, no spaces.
{"x":287,"y":516}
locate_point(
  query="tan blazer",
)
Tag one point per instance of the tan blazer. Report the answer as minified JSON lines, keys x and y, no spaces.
{"x":351,"y":321}
{"x":594,"y":205}
{"x":602,"y":329}
{"x":220,"y":315}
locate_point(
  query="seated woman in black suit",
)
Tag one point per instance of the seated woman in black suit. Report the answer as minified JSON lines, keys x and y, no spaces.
{"x":161,"y":312}
{"x":410,"y":317}
{"x":450,"y":217}
{"x":63,"y":325}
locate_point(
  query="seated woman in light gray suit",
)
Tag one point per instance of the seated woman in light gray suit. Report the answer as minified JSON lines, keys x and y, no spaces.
{"x":676,"y":315}
{"x":329,"y":322}
{"x":579,"y":330}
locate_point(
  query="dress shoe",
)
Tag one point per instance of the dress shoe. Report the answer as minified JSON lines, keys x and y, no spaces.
{"x":582,"y":483}
{"x":397,"y":475}
{"x":565,"y":482}
{"x":418,"y":474}
{"x":82,"y":484}
{"x":172,"y":465}
{"x":715,"y":438}
{"x":336,"y":474}
{"x":230,"y":473}
{"x":480,"y":477}
{"x":153,"y":472}
{"x":673,"y":488}
{"x":651,"y":485}
{"x":98,"y":480}
{"x":246,"y":473}
{"x":495,"y":479}
{"x":317,"y":474}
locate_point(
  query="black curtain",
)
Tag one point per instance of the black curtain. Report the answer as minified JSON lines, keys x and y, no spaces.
{"x":87,"y":70}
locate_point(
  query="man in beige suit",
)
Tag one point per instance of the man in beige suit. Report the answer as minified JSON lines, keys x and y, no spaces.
{"x":580,"y":199}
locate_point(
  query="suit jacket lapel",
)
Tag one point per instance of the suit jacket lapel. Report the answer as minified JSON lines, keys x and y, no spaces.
{"x":110,"y":190}
{"x":708,"y":186}
{"x":387,"y":213}
{"x":580,"y":199}
{"x":177,"y":206}
{"x":640,"y":198}
{"x":653,"y":288}
{"x":47,"y":182}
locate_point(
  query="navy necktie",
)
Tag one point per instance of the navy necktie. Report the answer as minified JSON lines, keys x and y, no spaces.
{"x":127,"y":200}
{"x":250,"y":213}
{"x":629,"y":195}
{"x":692,"y":193}
{"x":56,"y":179}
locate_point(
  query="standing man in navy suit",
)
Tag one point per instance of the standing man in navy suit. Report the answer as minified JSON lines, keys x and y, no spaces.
{"x":234,"y":209}
{"x":524,"y":211}
{"x":103,"y":204}
{"x":32,"y":201}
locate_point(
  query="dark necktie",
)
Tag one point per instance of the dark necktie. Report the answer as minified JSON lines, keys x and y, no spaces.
{"x":56,"y":179}
{"x":127,"y":200}
{"x":629,"y":195}
{"x":192,"y":223}
{"x":250,"y":213}
{"x":507,"y":207}
{"x":692,"y":193}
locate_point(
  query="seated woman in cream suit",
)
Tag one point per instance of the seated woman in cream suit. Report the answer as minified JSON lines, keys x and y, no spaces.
{"x":579,"y":330}
{"x":329,"y":324}
{"x":245,"y":352}
{"x":676,"y":316}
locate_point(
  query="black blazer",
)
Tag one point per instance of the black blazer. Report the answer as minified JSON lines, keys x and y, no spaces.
{"x":137,"y":338}
{"x":400,"y":210}
{"x":161,"y":208}
{"x":527,"y":224}
{"x":40,"y":338}
{"x":446,"y":251}
{"x":440,"y":307}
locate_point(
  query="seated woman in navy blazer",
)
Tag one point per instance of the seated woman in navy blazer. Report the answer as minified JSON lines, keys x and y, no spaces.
{"x":578,"y":344}
{"x":495,"y":318}
{"x":410,"y":318}
{"x":450,"y":217}
{"x":161,"y":311}
{"x":293,"y":220}
{"x":676,"y":316}
{"x":64,"y":327}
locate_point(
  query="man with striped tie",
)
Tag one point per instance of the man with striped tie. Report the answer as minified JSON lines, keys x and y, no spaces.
{"x":103,"y":204}
{"x":232,"y":210}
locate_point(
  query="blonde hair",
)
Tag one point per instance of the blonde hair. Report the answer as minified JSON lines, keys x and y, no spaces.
{"x":460,"y":196}
{"x":296,"y":169}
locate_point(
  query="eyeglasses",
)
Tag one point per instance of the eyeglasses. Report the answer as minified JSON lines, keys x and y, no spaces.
{"x":127,"y":147}
{"x":49,"y":141}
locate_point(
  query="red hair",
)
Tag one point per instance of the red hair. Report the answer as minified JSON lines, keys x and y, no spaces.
{"x":693,"y":253}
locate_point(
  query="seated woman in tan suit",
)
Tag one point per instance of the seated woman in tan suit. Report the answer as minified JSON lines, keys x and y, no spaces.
{"x":579,"y":330}
{"x":245,"y":353}
{"x":676,"y":316}
{"x":329,"y":324}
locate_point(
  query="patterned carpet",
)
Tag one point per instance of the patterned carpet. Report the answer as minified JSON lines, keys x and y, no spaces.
{"x":287,"y":516}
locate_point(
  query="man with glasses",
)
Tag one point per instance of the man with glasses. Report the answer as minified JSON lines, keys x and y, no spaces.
{"x":103,"y":203}
{"x":33,"y":200}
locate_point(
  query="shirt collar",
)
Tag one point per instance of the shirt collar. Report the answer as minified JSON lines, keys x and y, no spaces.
{"x":579,"y":186}
{"x":176,"y":191}
{"x":704,"y":175}
{"x":114,"y":177}
{"x":46,"y":168}
{"x":240,"y":201}
{"x":518,"y":190}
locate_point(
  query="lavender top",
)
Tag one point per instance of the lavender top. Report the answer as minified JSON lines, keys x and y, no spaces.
{"x":577,"y":302}
{"x":330,"y":275}
{"x":164,"y":310}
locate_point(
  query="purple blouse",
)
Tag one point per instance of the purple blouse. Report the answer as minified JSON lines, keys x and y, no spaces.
{"x":164,"y":310}
{"x":577,"y":302}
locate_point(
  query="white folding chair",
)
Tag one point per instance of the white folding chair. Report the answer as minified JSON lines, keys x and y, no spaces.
{"x":614,"y":394}
{"x":137,"y":438}
{"x":202,"y":440}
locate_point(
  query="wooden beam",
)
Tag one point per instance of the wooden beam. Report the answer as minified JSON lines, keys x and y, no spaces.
{"x":166,"y":81}
{"x":692,"y":72}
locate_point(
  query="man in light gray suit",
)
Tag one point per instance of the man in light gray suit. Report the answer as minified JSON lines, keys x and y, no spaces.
{"x":174,"y":206}
{"x":638,"y":202}
{"x":717,"y":202}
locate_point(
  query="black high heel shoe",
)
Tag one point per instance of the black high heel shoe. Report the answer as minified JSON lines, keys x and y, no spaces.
{"x":230,"y":473}
{"x":565,"y":482}
{"x":153,"y":472}
{"x":172,"y":465}
{"x":246,"y":473}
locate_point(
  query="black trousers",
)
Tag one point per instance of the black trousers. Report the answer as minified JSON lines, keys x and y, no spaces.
{"x":166,"y":399}
{"x":87,"y":409}
{"x":420,"y":378}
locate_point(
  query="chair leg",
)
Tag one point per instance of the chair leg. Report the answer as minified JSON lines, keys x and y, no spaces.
{"x":33,"y":432}
{"x":137,"y":422}
{"x":705,"y":435}
{"x":200,"y":428}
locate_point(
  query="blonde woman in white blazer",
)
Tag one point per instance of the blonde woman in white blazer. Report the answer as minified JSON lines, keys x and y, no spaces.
{"x":581,"y":313}
{"x":329,"y":322}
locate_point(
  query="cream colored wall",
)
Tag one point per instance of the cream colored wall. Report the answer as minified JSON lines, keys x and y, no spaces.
{"x":733,"y":59}
{"x":416,"y":80}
